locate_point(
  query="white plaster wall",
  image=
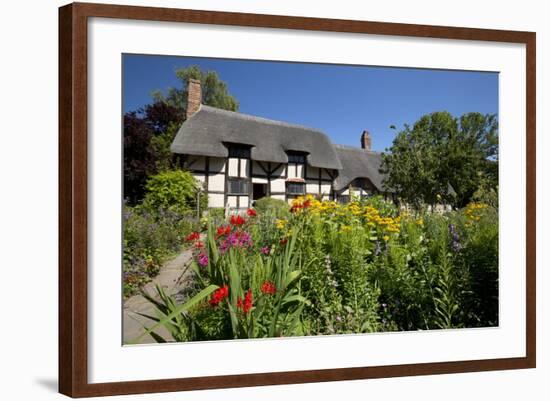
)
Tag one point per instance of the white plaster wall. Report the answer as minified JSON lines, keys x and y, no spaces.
{"x":278,"y":185}
{"x":312,"y":187}
{"x":291,"y":168}
{"x":216,"y":182}
{"x":233,"y":167}
{"x":244,"y":168}
{"x":300,"y":171}
{"x":215,"y":200}
{"x":259,"y":180}
{"x":244,"y":202}
{"x":325,"y":188}
{"x":232,"y":201}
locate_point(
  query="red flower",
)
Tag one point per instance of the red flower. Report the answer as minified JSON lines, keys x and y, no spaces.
{"x":268,"y":288}
{"x":199,"y":245}
{"x":237,"y":220}
{"x":247,"y":303}
{"x":223,"y":230}
{"x":251,"y":212}
{"x":193,"y":236}
{"x":306,"y":204}
{"x":283,"y":241}
{"x":219,"y":295}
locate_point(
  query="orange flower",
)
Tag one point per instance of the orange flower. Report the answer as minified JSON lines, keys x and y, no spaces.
{"x":237,"y":220}
{"x":223,"y":230}
{"x":268,"y":288}
{"x":245,"y":304}
{"x":193,"y":236}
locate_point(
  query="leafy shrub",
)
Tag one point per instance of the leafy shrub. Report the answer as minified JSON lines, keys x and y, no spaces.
{"x":276,"y":207}
{"x":174,"y":190}
{"x":149,"y":238}
{"x":216,"y":215}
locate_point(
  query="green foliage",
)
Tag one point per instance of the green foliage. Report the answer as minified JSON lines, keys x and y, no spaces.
{"x":276,"y":207}
{"x":215,"y":215}
{"x":329,"y":268}
{"x":175,"y":190}
{"x":172,"y":316}
{"x":440,"y":151}
{"x":150,"y":237}
{"x":160,"y":146}
{"x":214,"y":91}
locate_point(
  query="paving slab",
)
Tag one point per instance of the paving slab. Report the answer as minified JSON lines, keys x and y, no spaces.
{"x":174,"y":277}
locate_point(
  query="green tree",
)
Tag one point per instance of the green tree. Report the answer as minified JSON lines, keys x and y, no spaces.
{"x":177,"y":191}
{"x":440,"y":152}
{"x":149,"y":131}
{"x":214,"y":90}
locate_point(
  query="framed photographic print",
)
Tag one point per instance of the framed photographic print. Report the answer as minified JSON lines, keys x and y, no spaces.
{"x":236,"y":189}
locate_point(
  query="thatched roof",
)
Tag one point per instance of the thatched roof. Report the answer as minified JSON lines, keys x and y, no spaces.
{"x":206,"y":132}
{"x":358,"y":163}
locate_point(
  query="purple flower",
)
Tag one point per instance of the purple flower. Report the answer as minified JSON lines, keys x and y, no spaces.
{"x":245,"y":240}
{"x":203,"y":259}
{"x":455,"y":239}
{"x":265,"y":250}
{"x":224,"y":246}
{"x":233,"y":239}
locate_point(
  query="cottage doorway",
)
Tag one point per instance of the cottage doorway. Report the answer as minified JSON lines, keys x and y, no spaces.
{"x":259,"y":191}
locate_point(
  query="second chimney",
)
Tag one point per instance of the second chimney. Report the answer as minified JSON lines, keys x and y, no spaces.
{"x":365,"y":140}
{"x":194,"y":96}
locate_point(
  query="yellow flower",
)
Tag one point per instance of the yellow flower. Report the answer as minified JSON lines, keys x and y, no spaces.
{"x":345,"y":228}
{"x":386,"y":238}
{"x":280,"y":223}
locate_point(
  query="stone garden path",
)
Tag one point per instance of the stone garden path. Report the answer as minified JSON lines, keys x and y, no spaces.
{"x":174,"y":277}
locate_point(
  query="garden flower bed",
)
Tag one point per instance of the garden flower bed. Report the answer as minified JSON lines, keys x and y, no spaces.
{"x":330,"y":268}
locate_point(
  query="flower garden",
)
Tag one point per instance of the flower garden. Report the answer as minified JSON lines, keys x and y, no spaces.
{"x":320,"y":268}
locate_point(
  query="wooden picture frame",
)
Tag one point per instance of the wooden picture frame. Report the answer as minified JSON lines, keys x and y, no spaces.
{"x":73,"y":204}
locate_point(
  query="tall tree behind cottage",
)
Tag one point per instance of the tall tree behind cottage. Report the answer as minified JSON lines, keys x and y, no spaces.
{"x":149,"y":131}
{"x":440,"y":151}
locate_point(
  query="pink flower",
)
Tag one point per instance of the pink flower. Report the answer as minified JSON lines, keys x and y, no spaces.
{"x":203,"y":259}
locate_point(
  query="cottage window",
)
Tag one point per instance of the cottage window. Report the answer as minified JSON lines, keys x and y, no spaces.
{"x":241,"y":152}
{"x":294,"y":157}
{"x":237,"y":186}
{"x":295,"y":188}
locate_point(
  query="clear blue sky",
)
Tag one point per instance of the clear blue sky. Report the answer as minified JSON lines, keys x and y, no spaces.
{"x":340,"y":100}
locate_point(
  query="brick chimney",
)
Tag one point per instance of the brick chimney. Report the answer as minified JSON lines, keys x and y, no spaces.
{"x":365,"y":140}
{"x":194,"y":96}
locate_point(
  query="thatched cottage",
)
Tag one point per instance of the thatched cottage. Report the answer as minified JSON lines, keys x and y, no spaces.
{"x":241,"y":158}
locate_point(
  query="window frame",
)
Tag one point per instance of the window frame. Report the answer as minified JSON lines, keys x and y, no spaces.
{"x":243,"y":181}
{"x":289,"y":184}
